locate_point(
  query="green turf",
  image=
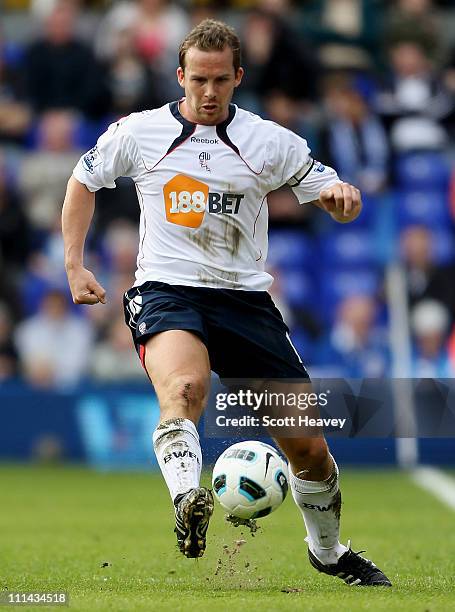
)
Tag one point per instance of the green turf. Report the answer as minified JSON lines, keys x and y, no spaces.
{"x":59,"y":525}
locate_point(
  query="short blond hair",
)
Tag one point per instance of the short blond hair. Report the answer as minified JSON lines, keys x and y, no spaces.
{"x":212,"y":35}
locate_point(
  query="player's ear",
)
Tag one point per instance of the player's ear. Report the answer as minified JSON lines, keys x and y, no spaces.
{"x":238,"y":77}
{"x":181,"y":76}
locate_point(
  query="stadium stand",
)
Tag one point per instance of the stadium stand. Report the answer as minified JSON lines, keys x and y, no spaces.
{"x":319,"y":265}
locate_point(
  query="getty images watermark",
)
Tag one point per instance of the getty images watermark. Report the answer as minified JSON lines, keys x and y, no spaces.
{"x":343,"y":408}
{"x":266,"y":401}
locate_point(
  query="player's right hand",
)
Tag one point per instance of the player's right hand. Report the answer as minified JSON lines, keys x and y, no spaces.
{"x":85,"y":289}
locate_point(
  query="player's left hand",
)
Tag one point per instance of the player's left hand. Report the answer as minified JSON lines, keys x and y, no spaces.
{"x":342,"y":201}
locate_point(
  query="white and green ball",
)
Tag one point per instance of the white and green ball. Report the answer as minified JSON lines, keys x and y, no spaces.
{"x":250,"y":479}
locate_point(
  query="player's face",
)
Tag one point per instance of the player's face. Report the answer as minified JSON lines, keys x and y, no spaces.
{"x":209,"y":80}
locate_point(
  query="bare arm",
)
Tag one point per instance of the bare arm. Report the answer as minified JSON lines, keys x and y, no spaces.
{"x":77,"y":214}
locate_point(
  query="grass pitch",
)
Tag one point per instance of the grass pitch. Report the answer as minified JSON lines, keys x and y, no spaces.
{"x":107,"y":540}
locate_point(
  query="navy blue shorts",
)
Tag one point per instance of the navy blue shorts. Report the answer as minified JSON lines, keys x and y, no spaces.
{"x":243,"y":331}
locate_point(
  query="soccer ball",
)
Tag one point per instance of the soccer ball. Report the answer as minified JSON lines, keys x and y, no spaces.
{"x":250,"y":479}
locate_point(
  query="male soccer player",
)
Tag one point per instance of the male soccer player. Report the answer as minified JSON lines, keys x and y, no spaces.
{"x":202,"y":169}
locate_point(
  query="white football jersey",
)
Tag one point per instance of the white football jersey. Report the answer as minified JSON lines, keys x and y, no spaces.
{"x":202,"y":191}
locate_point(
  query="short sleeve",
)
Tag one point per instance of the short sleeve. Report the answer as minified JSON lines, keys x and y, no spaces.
{"x":287,"y":155}
{"x":309,"y":182}
{"x":291,"y":163}
{"x":115,"y":155}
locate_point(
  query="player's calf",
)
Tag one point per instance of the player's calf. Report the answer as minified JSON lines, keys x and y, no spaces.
{"x":320,"y":504}
{"x":313,"y":480}
{"x":309,"y":458}
{"x":178,"y":451}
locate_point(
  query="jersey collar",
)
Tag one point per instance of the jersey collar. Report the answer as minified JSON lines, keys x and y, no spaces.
{"x":175,"y":110}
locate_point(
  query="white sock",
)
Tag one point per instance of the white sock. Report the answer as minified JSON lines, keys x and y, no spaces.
{"x":320,"y":504}
{"x":178,"y":450}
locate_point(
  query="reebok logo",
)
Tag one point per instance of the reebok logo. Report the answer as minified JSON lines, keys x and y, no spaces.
{"x":214,"y":141}
{"x":180,"y":455}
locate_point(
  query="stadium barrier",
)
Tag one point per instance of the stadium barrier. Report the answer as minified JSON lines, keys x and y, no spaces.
{"x":109,"y":427}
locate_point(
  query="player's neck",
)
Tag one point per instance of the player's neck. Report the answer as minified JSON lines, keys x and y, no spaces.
{"x":189,"y":116}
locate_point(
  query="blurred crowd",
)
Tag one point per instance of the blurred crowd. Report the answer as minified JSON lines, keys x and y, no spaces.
{"x":369,"y":83}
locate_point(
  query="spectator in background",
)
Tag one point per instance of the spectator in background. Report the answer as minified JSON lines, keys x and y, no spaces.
{"x":346,"y":32}
{"x":99,"y":317}
{"x":14,"y":228}
{"x":120,"y":244}
{"x":416,"y":254}
{"x":299,"y":318}
{"x":425,"y":279}
{"x":44,"y":268}
{"x":121,"y":16}
{"x":283,"y":211}
{"x":8,"y":353}
{"x":294,"y":114}
{"x":354,"y":138}
{"x":282,"y":8}
{"x":430,"y":322}
{"x":44,"y":172}
{"x":61,"y":71}
{"x":448,"y":76}
{"x":416,"y":20}
{"x":40,"y":276}
{"x":160,"y":26}
{"x":275,"y":60}
{"x":15,"y":113}
{"x":356,"y":345}
{"x":114,"y":358}
{"x":9,"y":288}
{"x":198,"y":10}
{"x":134,"y":85}
{"x":414,"y":104}
{"x":53,"y":344}
{"x":114,"y":204}
{"x":118,"y":253}
{"x":157,"y":28}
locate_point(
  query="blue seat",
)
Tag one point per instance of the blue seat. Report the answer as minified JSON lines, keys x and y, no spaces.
{"x":429,"y":208}
{"x":443,"y":246}
{"x":346,"y":247}
{"x":298,"y":288}
{"x":423,"y":170}
{"x":336,"y":285}
{"x":367,"y":218}
{"x":290,"y":249}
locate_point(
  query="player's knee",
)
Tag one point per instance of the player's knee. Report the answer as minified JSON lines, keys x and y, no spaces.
{"x":187,"y":391}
